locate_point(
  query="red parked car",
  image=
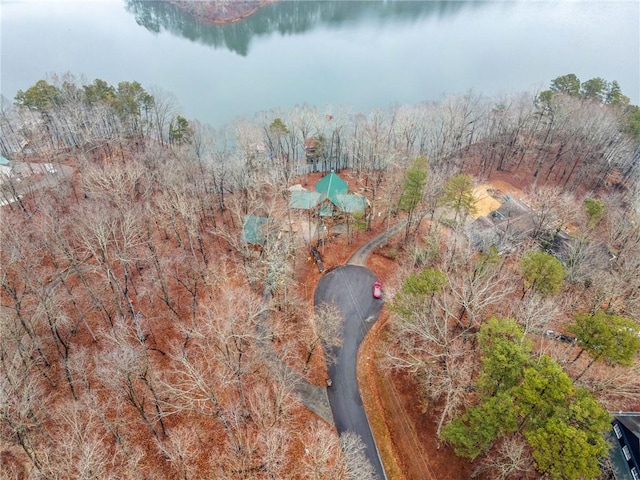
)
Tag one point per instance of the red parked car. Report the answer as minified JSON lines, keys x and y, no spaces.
{"x":377,"y":289}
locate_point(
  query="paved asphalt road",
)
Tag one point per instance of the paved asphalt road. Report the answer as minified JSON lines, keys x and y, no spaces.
{"x":360,"y":256}
{"x":350,"y":287}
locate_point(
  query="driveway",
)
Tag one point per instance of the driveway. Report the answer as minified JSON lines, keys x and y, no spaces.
{"x":360,"y":256}
{"x":350,"y":288}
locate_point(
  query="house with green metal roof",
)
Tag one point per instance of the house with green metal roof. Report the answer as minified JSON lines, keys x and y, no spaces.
{"x":305,"y":200}
{"x":332,"y":185}
{"x":330,"y":197}
{"x":351,"y":203}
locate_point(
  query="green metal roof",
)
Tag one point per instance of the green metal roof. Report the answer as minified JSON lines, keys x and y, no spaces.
{"x":305,"y":200}
{"x":332,"y":186}
{"x":4,"y":161}
{"x":326,"y":210}
{"x":351,"y":203}
{"x":253,"y":230}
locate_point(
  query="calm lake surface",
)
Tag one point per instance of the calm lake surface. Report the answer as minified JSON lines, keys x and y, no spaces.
{"x":361,"y":54}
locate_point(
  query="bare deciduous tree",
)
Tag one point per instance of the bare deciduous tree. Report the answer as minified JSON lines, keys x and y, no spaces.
{"x":181,"y":447}
{"x":126,"y":367}
{"x":509,"y":460}
{"x":357,"y":465}
{"x":23,"y":403}
{"x":76,"y":448}
{"x":327,"y":330}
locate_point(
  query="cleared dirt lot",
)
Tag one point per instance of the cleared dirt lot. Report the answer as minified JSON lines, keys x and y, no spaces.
{"x":489,"y":196}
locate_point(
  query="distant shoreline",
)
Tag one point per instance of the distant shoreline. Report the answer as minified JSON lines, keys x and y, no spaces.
{"x":214,"y":11}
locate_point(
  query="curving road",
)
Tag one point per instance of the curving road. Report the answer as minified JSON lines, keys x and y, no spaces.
{"x":350,"y":288}
{"x":360,"y":256}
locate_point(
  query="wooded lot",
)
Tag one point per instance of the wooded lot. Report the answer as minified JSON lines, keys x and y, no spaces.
{"x":137,"y":318}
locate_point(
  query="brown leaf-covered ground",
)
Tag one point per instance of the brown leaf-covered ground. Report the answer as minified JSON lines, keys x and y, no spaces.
{"x":402,"y":424}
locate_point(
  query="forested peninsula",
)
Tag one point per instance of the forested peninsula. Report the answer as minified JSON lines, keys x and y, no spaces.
{"x":157,"y":282}
{"x":220,"y":11}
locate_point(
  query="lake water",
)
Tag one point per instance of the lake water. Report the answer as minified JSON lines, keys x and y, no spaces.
{"x":362,"y":55}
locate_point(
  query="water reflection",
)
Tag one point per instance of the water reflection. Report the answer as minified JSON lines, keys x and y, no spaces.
{"x":286,"y":18}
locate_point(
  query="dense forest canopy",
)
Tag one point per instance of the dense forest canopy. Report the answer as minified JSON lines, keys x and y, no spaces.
{"x":136,"y":322}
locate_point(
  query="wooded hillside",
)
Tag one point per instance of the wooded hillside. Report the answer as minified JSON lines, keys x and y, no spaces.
{"x":136,"y":322}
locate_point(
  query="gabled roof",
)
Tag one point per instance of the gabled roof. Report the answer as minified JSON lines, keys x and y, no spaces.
{"x":351,"y":203}
{"x":253,"y":231}
{"x":305,"y":200}
{"x":326,"y":210}
{"x":631,"y":421}
{"x":511,"y":223}
{"x":332,"y":186}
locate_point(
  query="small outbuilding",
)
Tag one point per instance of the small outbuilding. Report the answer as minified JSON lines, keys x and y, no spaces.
{"x":5,"y":166}
{"x":254,"y":230}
